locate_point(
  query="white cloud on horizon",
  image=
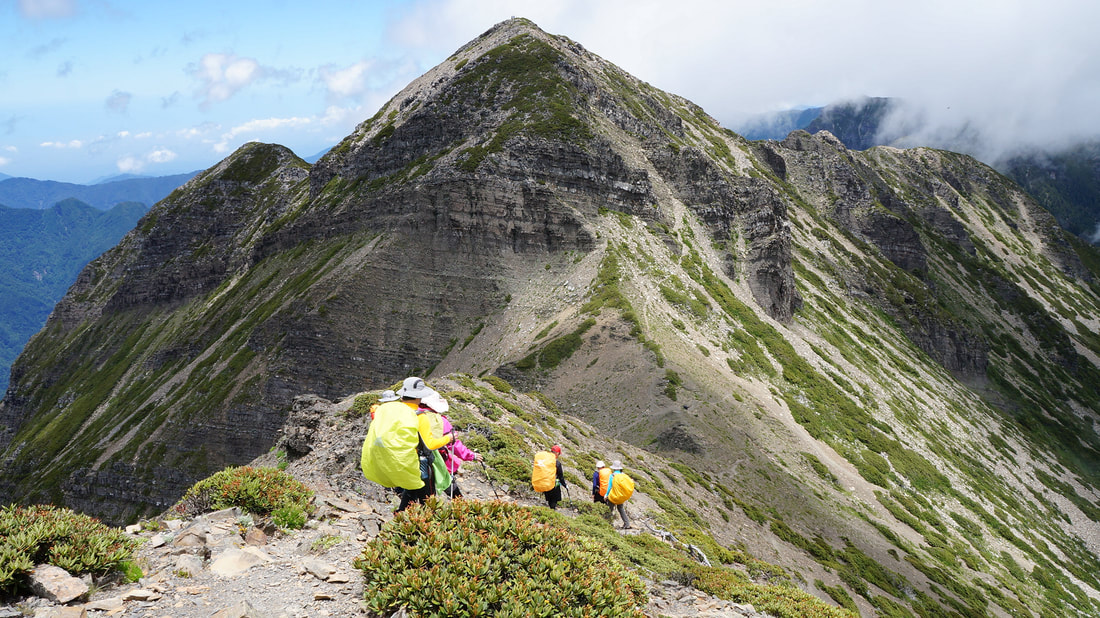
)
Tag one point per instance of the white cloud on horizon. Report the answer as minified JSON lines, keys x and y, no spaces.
{"x":129,"y":164}
{"x":259,"y":126}
{"x":161,"y":155}
{"x":4,"y":161}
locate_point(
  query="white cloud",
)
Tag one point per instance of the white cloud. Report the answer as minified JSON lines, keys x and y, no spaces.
{"x":70,"y":144}
{"x":123,"y":134}
{"x":223,"y":75}
{"x":129,"y":165}
{"x":143,"y":135}
{"x":348,"y":82}
{"x":47,"y":9}
{"x":11,"y":148}
{"x":4,"y":161}
{"x":341,"y":116}
{"x":161,"y":155}
{"x":254,"y":127}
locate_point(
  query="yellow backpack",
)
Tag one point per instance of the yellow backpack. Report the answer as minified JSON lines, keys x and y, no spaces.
{"x":389,"y":454}
{"x":620,"y":488}
{"x":544,"y":473}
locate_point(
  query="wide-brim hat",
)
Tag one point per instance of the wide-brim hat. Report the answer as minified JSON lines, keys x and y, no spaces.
{"x":601,"y":464}
{"x":616,"y":465}
{"x":436,"y":402}
{"x":414,"y":388}
{"x":388,"y":396}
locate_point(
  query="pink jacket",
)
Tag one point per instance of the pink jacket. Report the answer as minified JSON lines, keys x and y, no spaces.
{"x":456,"y":452}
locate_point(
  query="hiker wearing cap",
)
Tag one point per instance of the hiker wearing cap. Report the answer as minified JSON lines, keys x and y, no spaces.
{"x":599,"y":479}
{"x":412,"y":391}
{"x":385,"y":397}
{"x":616,"y":469}
{"x":454,"y":453}
{"x":553,"y":496}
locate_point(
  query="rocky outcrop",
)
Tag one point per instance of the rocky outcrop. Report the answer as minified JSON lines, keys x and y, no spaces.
{"x":736,"y":205}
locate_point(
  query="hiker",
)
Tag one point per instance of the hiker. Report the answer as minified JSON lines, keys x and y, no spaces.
{"x":385,"y":397}
{"x":610,"y":496}
{"x":599,"y":480}
{"x":454,"y":453}
{"x":541,"y":478}
{"x":412,"y":391}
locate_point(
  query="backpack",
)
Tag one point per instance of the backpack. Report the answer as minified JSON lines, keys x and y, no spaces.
{"x":544,"y":473}
{"x":621,"y":487}
{"x":441,"y":474}
{"x":605,"y":480}
{"x":390,"y":456}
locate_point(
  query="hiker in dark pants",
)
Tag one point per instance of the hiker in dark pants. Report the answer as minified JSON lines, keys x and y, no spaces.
{"x":602,"y":471}
{"x":553,"y":497}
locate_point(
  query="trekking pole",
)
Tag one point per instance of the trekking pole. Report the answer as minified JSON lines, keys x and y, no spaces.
{"x":485,"y":469}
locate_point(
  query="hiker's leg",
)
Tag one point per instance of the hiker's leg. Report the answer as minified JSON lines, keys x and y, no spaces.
{"x":405,"y":498}
{"x":622,"y":513}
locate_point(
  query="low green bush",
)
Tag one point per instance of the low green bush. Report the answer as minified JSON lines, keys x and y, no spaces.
{"x":361,"y":406}
{"x":513,"y":563}
{"x":260,"y":491}
{"x":781,"y":601}
{"x":33,"y":535}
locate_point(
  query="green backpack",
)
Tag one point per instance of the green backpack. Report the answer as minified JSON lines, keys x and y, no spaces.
{"x":441,"y":473}
{"x":390,"y":455}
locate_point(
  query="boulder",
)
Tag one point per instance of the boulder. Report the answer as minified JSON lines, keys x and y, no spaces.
{"x":54,"y":583}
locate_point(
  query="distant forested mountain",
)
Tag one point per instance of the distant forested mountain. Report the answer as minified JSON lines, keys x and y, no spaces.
{"x":31,"y":193}
{"x":41,"y":253}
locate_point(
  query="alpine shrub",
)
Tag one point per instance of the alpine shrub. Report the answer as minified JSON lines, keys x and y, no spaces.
{"x":32,"y":535}
{"x":261,"y":491}
{"x":512,"y":564}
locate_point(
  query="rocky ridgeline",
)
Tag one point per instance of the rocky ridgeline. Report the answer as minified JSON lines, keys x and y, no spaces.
{"x":226,"y":564}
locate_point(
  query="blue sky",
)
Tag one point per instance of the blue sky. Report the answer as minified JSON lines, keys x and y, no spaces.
{"x":94,"y":88}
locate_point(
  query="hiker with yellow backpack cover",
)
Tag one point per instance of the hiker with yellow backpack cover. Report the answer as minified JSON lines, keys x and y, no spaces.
{"x":547,"y":475}
{"x":399,"y":449}
{"x":612,"y":487}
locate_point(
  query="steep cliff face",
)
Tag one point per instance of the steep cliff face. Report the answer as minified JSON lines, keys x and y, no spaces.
{"x":871,"y":352}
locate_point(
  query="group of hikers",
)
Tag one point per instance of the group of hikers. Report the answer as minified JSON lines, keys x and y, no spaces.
{"x":411,"y":447}
{"x":610,"y":485}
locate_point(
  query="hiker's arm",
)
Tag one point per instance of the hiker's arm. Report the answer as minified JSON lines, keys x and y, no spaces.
{"x":431,"y":441}
{"x":461,"y":451}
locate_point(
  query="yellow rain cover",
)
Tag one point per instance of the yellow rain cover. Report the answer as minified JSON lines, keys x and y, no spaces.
{"x":389,"y":451}
{"x":544,"y":472}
